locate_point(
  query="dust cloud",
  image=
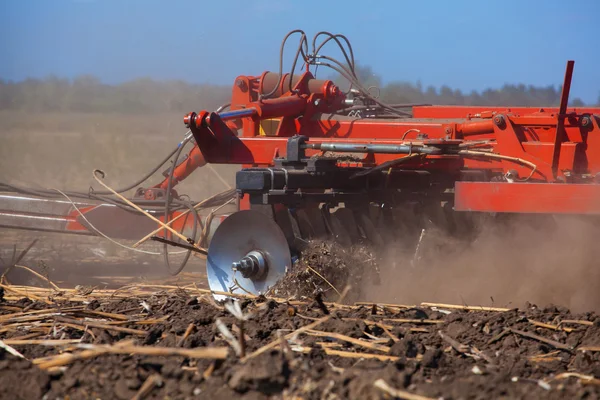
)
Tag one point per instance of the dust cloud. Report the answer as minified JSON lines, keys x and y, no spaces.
{"x":552,"y":261}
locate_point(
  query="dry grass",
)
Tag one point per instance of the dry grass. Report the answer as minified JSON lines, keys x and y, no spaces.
{"x":61,"y":150}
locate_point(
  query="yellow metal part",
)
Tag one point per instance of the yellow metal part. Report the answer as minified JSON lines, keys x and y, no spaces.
{"x":268,"y":127}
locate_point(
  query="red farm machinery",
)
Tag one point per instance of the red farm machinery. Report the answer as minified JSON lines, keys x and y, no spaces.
{"x":317,"y":161}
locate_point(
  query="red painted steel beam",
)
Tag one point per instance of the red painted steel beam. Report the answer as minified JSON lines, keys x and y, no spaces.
{"x":542,"y":198}
{"x":194,"y":161}
{"x":463,"y":111}
{"x":560,"y":126}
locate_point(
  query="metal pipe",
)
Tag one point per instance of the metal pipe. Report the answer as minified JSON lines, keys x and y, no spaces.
{"x":372,"y":148}
{"x":476,"y":127}
{"x":244,"y":112}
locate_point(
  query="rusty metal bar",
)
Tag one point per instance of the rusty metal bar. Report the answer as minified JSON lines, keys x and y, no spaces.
{"x":560,"y":126}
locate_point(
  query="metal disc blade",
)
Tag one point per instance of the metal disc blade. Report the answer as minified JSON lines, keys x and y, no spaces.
{"x":239,"y":234}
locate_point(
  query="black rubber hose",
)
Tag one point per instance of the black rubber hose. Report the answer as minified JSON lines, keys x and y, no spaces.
{"x":282,"y":48}
{"x":343,"y":71}
{"x":145,"y":177}
{"x":349,"y":59}
{"x":167,"y":212}
{"x":301,"y":51}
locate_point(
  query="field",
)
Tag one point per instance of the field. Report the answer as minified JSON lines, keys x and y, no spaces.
{"x":60,"y":151}
{"x":88,"y":319}
{"x":169,"y":342}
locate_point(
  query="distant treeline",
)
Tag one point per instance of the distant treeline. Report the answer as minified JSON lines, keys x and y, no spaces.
{"x":89,"y":94}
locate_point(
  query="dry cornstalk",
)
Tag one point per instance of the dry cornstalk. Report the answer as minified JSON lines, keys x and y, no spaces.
{"x":542,"y":339}
{"x":467,"y":350}
{"x":499,"y":336}
{"x":324,"y":279}
{"x":150,"y":383}
{"x":357,"y":342}
{"x":11,"y":308}
{"x":196,"y":207}
{"x":236,"y":329}
{"x":285,"y":346}
{"x":275,"y":343}
{"x":588,"y":348}
{"x":575,"y":322}
{"x":467,"y":308}
{"x":119,"y":317}
{"x":10,"y":350}
{"x":186,"y":334}
{"x":205,"y":291}
{"x":91,"y":351}
{"x":550,"y":326}
{"x":8,"y":317}
{"x":461,"y":348}
{"x":43,"y":342}
{"x":235,"y":309}
{"x":150,"y":321}
{"x":34,"y":292}
{"x":545,"y":357}
{"x":24,"y":294}
{"x":585,"y":379}
{"x":32,"y":318}
{"x":39,"y":276}
{"x":366,"y":303}
{"x":139,"y":290}
{"x":349,"y":354}
{"x":92,"y":324}
{"x":228,"y":336}
{"x":478,"y":353}
{"x":67,"y":358}
{"x":17,"y":259}
{"x":374,"y":323}
{"x":98,"y":175}
{"x":388,"y":332}
{"x":329,"y":345}
{"x":209,"y":370}
{"x":27,"y":326}
{"x":28,"y":336}
{"x":344,"y":294}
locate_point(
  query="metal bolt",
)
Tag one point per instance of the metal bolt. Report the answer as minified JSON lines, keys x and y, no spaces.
{"x":241,"y":85}
{"x":585,"y":121}
{"x":317,"y":102}
{"x":499,"y":120}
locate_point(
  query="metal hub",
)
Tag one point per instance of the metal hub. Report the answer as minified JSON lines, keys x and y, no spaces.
{"x":253,"y":265}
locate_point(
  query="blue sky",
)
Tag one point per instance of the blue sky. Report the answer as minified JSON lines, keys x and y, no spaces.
{"x":464,"y":44}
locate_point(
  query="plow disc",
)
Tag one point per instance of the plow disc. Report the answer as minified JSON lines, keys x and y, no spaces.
{"x":248,"y":253}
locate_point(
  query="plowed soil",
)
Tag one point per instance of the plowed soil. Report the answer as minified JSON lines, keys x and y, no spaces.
{"x":430,"y":351}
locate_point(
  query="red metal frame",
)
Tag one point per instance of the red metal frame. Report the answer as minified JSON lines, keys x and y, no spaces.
{"x":563,"y":144}
{"x":516,"y":197}
{"x":471,"y":111}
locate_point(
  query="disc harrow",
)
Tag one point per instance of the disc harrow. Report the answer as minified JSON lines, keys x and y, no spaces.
{"x":321,"y":164}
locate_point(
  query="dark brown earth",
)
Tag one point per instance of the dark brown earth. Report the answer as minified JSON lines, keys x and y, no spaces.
{"x":327,"y":268}
{"x":436,"y":351}
{"x":485,"y":363}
